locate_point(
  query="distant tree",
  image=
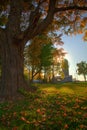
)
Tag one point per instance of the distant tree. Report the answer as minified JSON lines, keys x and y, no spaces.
{"x":82,"y":69}
{"x":43,"y":54}
{"x":58,"y":56}
{"x":38,"y":55}
{"x":65,"y":67}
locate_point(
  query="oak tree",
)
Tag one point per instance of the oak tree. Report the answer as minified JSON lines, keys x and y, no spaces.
{"x":82,"y":69}
{"x":38,"y":54}
{"x":22,"y":20}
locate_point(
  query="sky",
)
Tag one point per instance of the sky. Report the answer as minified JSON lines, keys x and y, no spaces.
{"x":77,"y":52}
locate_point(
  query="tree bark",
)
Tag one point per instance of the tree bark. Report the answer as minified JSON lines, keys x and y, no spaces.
{"x":12,"y":78}
{"x":84,"y":77}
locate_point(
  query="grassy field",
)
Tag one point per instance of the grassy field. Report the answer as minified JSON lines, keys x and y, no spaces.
{"x":53,"y":107}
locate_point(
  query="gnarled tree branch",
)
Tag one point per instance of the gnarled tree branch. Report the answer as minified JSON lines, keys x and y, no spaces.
{"x":42,"y":25}
{"x":84,"y":8}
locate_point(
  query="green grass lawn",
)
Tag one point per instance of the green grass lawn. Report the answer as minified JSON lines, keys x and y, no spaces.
{"x":53,"y":107}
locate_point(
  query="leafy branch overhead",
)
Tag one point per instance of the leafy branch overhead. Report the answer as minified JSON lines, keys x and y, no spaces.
{"x":23,"y":16}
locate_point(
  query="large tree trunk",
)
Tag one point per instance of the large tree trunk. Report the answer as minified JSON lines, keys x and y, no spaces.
{"x":12,"y":50}
{"x":12,"y":78}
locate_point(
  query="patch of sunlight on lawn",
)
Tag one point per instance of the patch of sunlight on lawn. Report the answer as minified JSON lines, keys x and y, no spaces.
{"x":54,"y":90}
{"x":49,"y":90}
{"x":81,"y":91}
{"x":77,"y":89}
{"x":66,"y":90}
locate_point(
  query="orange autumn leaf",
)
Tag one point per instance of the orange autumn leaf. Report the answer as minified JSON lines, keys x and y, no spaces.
{"x":66,"y":126}
{"x":64,"y":114}
{"x":15,"y":128}
{"x":81,"y":126}
{"x":38,"y":111}
{"x":25,"y":120}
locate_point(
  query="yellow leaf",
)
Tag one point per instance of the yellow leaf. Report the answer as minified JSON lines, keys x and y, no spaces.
{"x":83,"y":24}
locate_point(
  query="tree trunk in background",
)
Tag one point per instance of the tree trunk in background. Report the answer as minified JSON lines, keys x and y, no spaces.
{"x":84,"y":77}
